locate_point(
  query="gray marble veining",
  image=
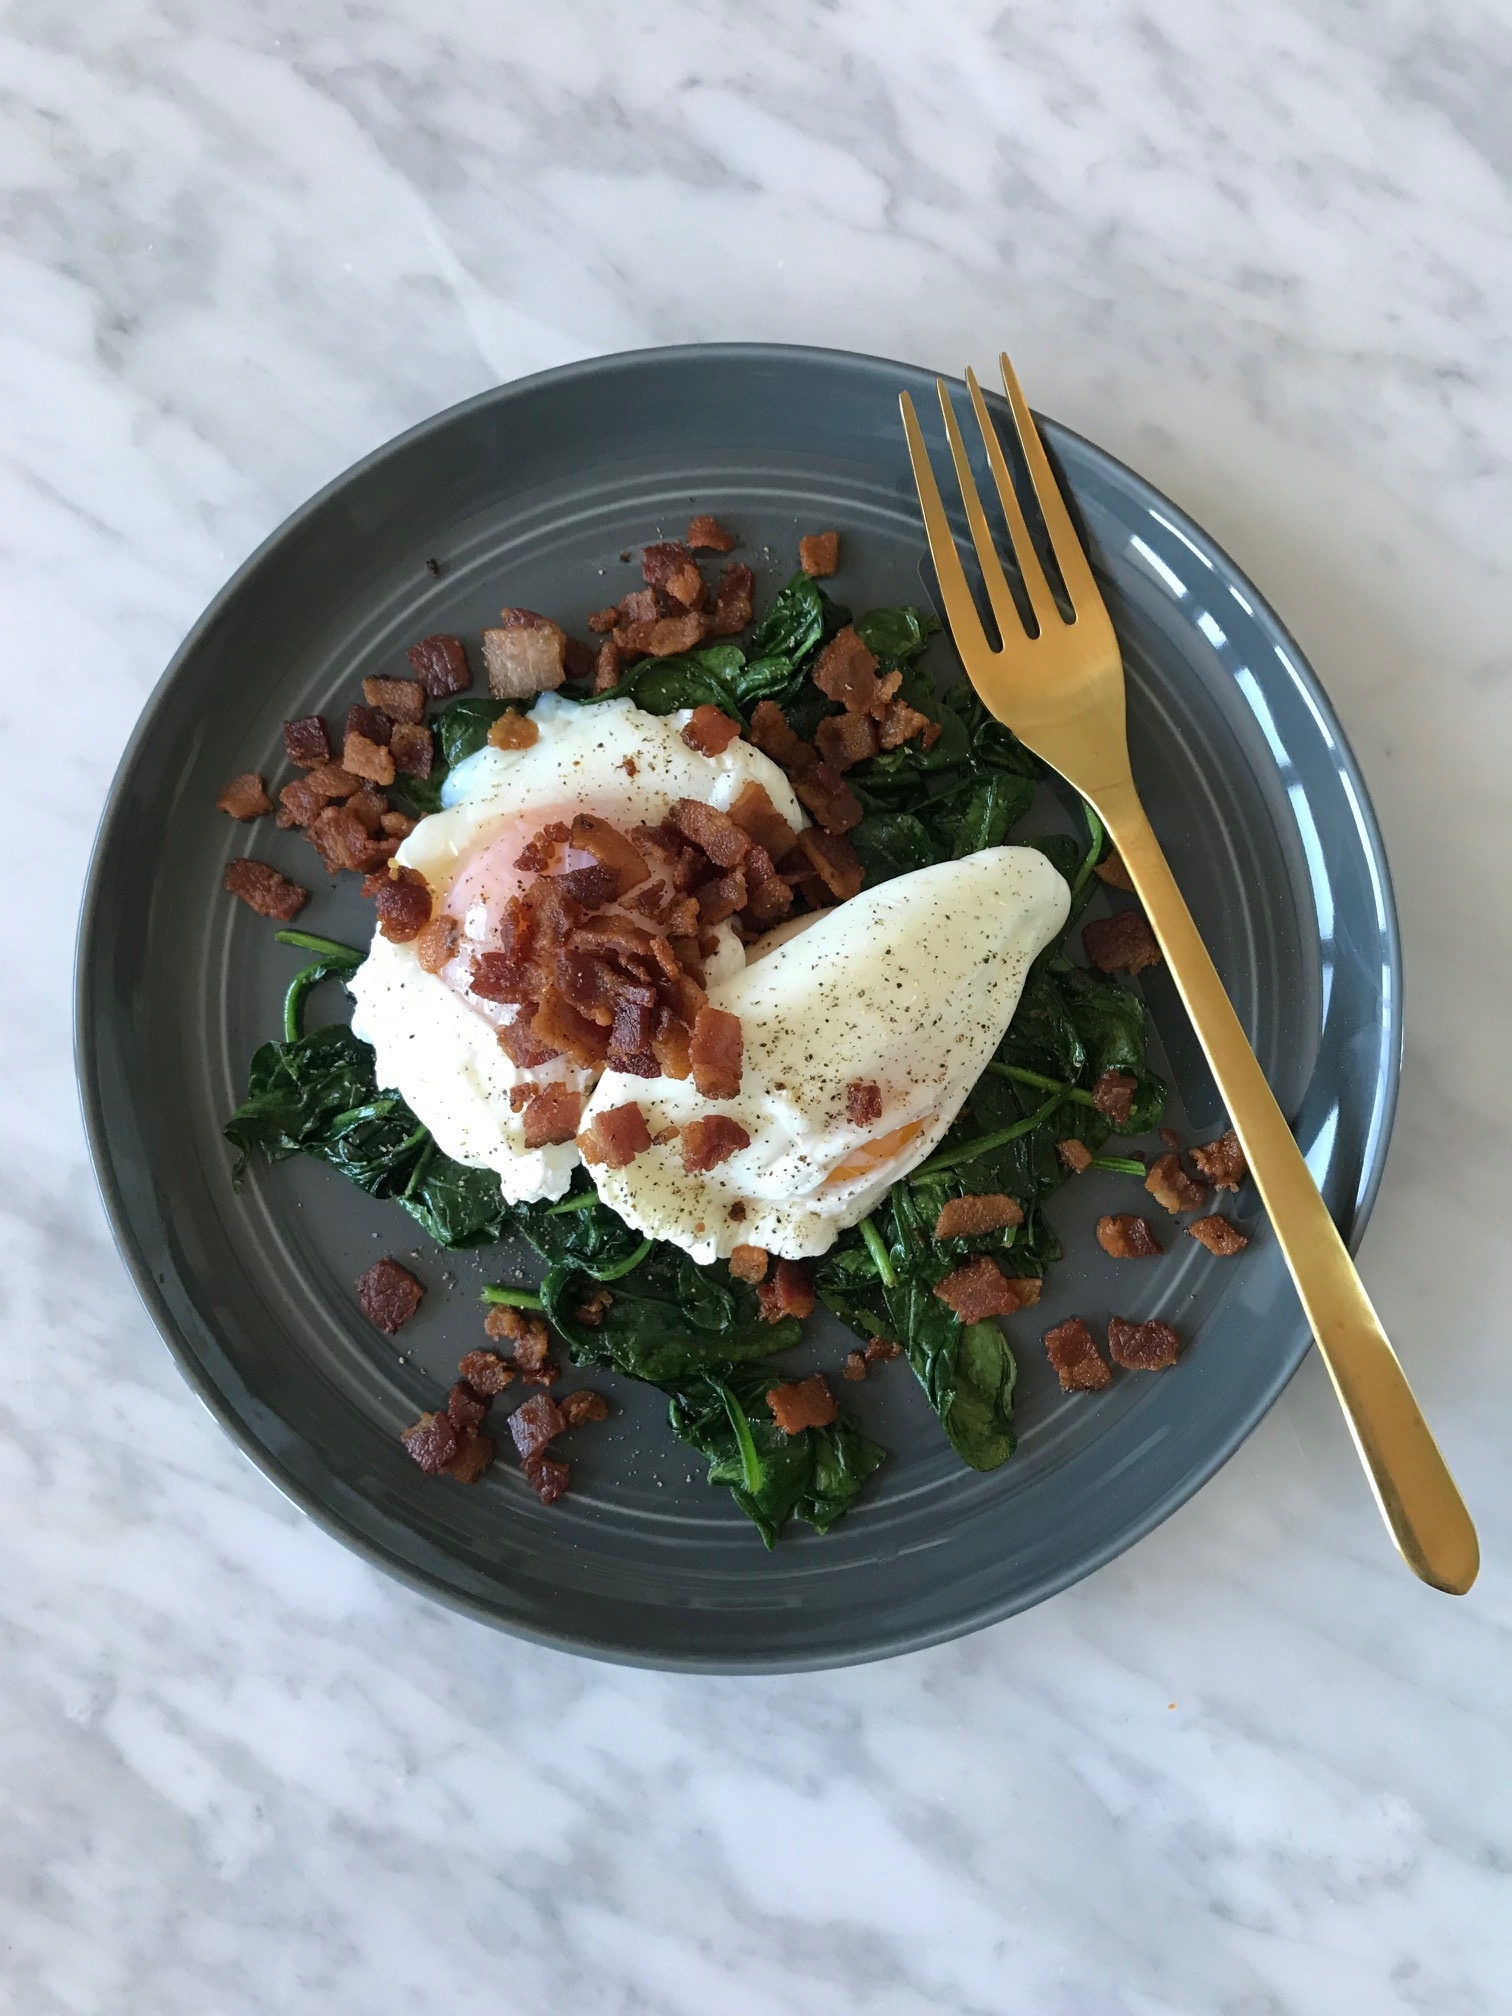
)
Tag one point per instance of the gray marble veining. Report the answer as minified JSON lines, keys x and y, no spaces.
{"x":1262,"y":254}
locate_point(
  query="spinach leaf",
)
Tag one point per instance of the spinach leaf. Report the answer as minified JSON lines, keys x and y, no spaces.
{"x":685,"y":679}
{"x":794,"y":624}
{"x":981,"y":815}
{"x":669,"y":1319}
{"x":892,"y":843}
{"x":813,"y":1475}
{"x":318,"y":1096}
{"x":461,"y":728}
{"x":579,"y":1230}
{"x":896,"y":635}
{"x":761,"y":679}
{"x":990,"y":746}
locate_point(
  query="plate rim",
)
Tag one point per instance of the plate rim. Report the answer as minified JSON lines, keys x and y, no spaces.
{"x":331,"y":1521}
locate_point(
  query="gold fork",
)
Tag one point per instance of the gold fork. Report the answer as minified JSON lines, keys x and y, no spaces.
{"x":1062,"y":693}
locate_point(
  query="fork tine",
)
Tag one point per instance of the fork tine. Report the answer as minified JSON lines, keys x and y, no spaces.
{"x":1075,"y":569}
{"x":1040,"y":598}
{"x":1004,"y":608}
{"x":960,"y":609}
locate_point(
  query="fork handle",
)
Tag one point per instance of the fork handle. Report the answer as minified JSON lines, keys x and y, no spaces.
{"x":1416,"y":1494}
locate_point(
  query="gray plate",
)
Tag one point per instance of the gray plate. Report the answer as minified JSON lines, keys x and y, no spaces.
{"x":529,"y":495}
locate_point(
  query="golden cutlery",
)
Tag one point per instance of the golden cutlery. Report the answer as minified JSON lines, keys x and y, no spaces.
{"x":1061,"y":691}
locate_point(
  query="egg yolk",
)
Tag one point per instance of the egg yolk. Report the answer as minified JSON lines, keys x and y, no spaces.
{"x":872,"y":1155}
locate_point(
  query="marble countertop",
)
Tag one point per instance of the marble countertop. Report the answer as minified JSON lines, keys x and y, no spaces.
{"x":1261,"y":254}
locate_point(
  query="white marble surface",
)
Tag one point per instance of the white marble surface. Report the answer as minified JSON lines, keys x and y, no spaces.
{"x":1262,"y":253}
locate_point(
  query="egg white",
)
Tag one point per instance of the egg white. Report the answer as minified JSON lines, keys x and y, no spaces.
{"x":443,"y":1054}
{"x":910,"y":986}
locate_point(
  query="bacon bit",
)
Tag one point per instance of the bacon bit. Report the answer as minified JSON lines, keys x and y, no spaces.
{"x":475,"y":1452}
{"x":432,"y":1441}
{"x":707,"y":1143}
{"x":343,"y":842}
{"x":854,"y":1366}
{"x":306,"y":741}
{"x":513,"y":730}
{"x":715,"y":1052}
{"x":401,"y":699}
{"x":547,"y":1477}
{"x":1222,"y":1161}
{"x":1076,"y":1155}
{"x":437,"y":944}
{"x":388,"y":1295}
{"x":606,"y":669}
{"x":835,"y":861}
{"x":671,"y":1048}
{"x":715,"y":832}
{"x":520,"y":1097}
{"x":331,"y":781}
{"x":787,"y":1291}
{"x":1170,"y":1137}
{"x":1113,"y":1096}
{"x":602,"y":621}
{"x":803,"y":1403}
{"x":672,"y":571}
{"x":774,"y":737}
{"x":611,"y":850}
{"x":1112,"y":872}
{"x":1142,"y":1347}
{"x":368,"y":806}
{"x":638,"y":614}
{"x":710,"y":730}
{"x":525,"y":655}
{"x":244,"y":797}
{"x":707,"y":535}
{"x":552,"y":1116}
{"x":299,"y":803}
{"x":404,"y":906}
{"x":582,"y":1406}
{"x":1219,"y":1236}
{"x":755,"y":814}
{"x":539,"y":854}
{"x":398,"y":825}
{"x":722,"y":897}
{"x":819,"y":554}
{"x":363,"y":757}
{"x":369,"y":721}
{"x":614,"y":1139}
{"x":502,"y":1320}
{"x":1127,"y":1237}
{"x":1079,"y":1365}
{"x":734,"y":600}
{"x":413,"y":749}
{"x":593,"y":1308}
{"x":967,"y":1217}
{"x":749,"y":1263}
{"x":1123,"y":943}
{"x":880,"y":1349}
{"x":485,"y":1372}
{"x":847,"y":671}
{"x":558,"y":1023}
{"x":534,"y":1423}
{"x":465,"y":1407}
{"x":265,"y":890}
{"x":635,"y":1017}
{"x":592,"y":886}
{"x":440,"y":664}
{"x":521,"y":1045}
{"x":1169,"y":1184}
{"x":901,"y":723}
{"x":670,"y":635}
{"x":979,"y":1289}
{"x":494,"y":976}
{"x":863,"y":1101}
{"x":844,"y":740}
{"x":768,"y":895}
{"x":828,"y":797}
